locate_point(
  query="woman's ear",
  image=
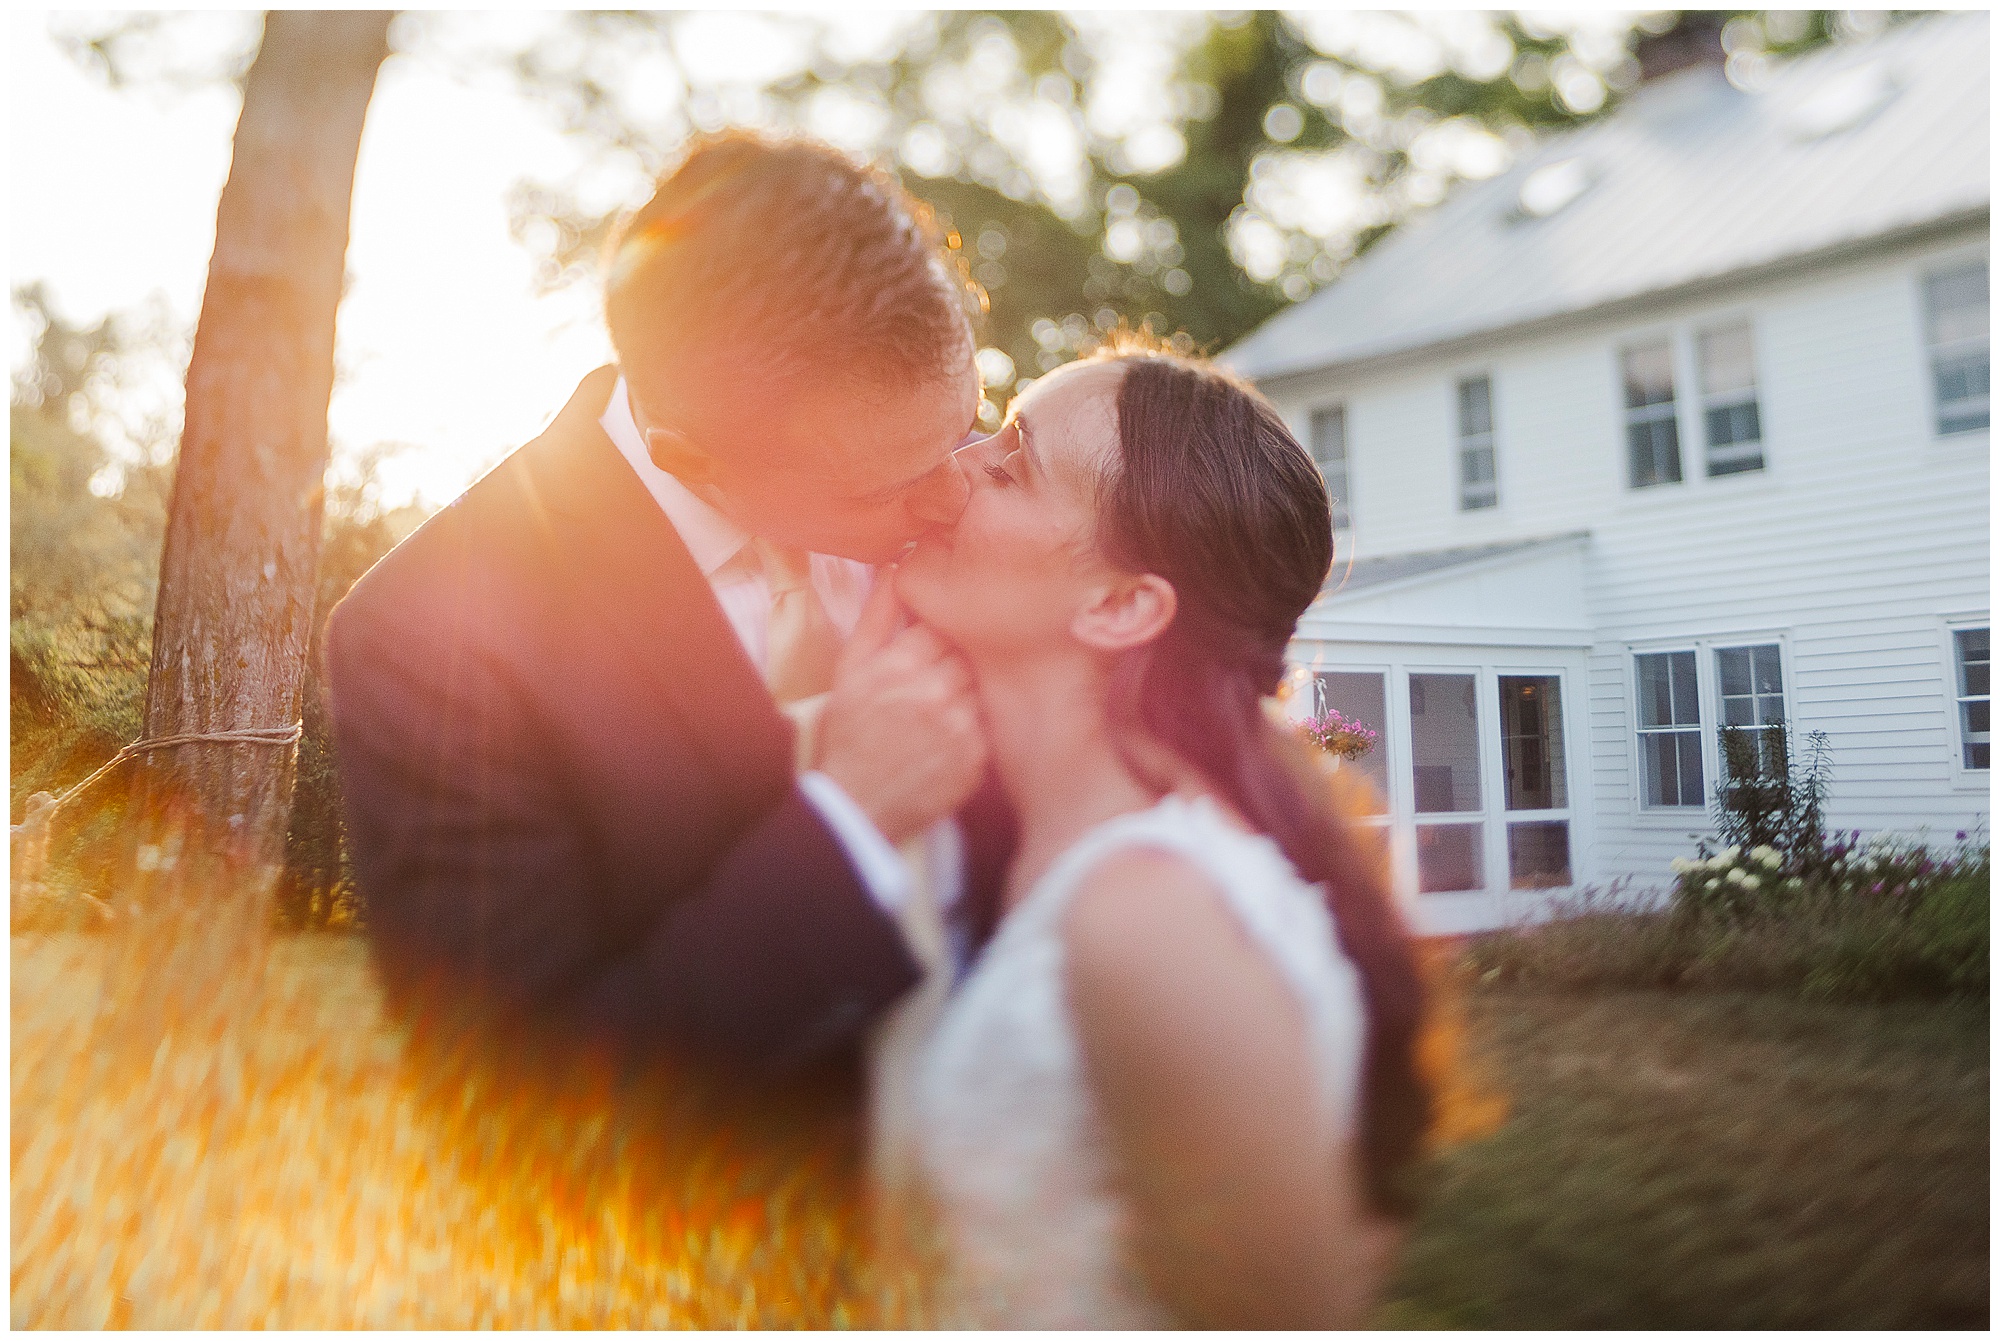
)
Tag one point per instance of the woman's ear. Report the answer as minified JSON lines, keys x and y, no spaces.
{"x":1127,"y":612}
{"x":679,"y":458}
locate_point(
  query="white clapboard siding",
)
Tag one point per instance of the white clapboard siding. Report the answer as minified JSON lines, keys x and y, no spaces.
{"x":1861,"y":538}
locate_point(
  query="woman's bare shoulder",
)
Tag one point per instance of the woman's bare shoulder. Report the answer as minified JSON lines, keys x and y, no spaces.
{"x":1149,"y":940}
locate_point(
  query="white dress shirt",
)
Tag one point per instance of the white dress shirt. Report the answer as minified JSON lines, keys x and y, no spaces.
{"x":842,"y":585}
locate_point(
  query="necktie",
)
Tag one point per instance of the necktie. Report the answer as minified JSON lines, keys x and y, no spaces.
{"x":801,"y":643}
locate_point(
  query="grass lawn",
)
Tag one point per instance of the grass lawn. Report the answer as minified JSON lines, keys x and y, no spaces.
{"x":1705,"y":1160}
{"x":1693,"y":1160}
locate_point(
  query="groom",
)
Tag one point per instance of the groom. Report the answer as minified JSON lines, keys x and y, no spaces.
{"x":560,"y":707}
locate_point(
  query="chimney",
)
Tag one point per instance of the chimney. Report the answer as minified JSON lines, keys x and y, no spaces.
{"x":1695,"y":40}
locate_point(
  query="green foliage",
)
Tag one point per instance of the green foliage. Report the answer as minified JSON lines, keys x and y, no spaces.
{"x":1826,"y":941}
{"x":1251,"y":97}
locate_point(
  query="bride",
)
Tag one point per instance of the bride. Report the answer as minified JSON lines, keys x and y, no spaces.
{"x":1178,"y":1085}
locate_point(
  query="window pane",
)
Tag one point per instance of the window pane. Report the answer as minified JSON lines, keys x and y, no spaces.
{"x":1732,"y":665}
{"x":1667,"y":695}
{"x":1448,"y":858}
{"x":1649,"y":375}
{"x":1329,"y":435}
{"x":1974,"y":661}
{"x":1538,"y":855}
{"x":1726,"y":364}
{"x":1531,"y":742}
{"x":1362,"y":697}
{"x":1978,"y":716}
{"x":1475,"y":406}
{"x":1689,"y":746}
{"x":1444,"y":743}
{"x":1978,"y":754}
{"x":1765,"y":671}
{"x":1728,"y":424}
{"x":1957,"y":301}
{"x":1655,"y":450}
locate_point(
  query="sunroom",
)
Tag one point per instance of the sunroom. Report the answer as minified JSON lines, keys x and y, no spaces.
{"x":1469,"y":665}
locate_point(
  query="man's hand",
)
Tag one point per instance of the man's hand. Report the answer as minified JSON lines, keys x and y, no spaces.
{"x":902,"y":733}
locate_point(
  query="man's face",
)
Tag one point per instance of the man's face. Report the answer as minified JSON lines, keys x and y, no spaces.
{"x":848,"y":465}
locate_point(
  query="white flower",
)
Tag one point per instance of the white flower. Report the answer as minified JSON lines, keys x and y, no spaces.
{"x":1680,"y":865}
{"x":1735,"y":877}
{"x":1729,"y":855}
{"x":1751,"y":882}
{"x":1766,"y":855}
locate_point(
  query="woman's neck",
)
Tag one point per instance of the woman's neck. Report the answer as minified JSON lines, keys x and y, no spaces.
{"x":1053,"y":749}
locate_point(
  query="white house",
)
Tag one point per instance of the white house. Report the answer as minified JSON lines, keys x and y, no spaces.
{"x":1681,"y":421}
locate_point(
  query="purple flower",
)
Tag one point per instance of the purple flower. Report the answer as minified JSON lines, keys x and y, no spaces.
{"x":1961,"y":835}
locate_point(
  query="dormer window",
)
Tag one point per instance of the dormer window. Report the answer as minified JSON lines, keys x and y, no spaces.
{"x":1552,"y":188}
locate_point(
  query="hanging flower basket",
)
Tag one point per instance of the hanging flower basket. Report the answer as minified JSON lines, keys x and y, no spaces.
{"x":1339,"y":736}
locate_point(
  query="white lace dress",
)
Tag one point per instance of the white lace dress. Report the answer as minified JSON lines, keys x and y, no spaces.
{"x":993,"y":1128}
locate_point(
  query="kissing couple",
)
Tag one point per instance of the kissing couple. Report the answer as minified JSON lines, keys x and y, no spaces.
{"x":761,"y":712}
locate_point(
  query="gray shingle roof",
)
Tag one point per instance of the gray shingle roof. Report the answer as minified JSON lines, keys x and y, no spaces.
{"x":1691,"y":180}
{"x":1345,"y":580}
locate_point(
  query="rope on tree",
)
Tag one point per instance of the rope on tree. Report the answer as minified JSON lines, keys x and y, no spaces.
{"x":29,"y":840}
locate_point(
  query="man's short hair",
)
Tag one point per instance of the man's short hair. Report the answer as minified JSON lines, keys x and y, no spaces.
{"x":788,"y":259}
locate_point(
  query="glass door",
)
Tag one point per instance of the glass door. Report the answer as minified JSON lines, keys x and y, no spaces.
{"x":1536,"y":781}
{"x":1444,"y":776}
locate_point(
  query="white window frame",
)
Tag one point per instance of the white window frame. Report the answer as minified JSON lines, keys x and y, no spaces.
{"x":1788,"y":717}
{"x":1637,"y":730}
{"x":1706,"y":400}
{"x":1962,"y":778}
{"x":1676,"y":410}
{"x":1920,"y":282}
{"x":1508,"y":818}
{"x":1462,"y":443}
{"x":1690,"y":404}
{"x":1343,"y":504}
{"x":1708,"y":684}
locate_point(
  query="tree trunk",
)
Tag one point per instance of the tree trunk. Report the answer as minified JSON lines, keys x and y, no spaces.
{"x":235,"y":606}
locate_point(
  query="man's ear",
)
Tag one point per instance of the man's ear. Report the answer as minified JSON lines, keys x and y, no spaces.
{"x":1128,"y":612}
{"x":679,"y":458}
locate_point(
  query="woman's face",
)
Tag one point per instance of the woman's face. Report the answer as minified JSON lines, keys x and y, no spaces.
{"x":1021,"y":563}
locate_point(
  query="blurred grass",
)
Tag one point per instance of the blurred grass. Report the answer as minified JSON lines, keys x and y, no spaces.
{"x":1713,"y":1160}
{"x":1691,"y":1160}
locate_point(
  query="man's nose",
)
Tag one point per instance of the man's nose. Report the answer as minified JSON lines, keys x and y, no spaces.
{"x":941,"y":496}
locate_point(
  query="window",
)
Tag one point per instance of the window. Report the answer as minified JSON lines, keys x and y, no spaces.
{"x":1362,"y":696}
{"x":1975,"y":696}
{"x":1753,"y":700}
{"x":1652,"y":434}
{"x":1669,"y":730}
{"x":1729,"y":400}
{"x":1329,"y":449}
{"x":1531,"y":756}
{"x":1955,"y":309}
{"x":1477,"y":485}
{"x":1444,"y":764}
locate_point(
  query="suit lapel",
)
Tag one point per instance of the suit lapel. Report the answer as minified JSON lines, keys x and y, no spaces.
{"x":629,"y":564}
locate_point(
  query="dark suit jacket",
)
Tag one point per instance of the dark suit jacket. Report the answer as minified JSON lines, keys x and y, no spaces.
{"x":567,"y":789}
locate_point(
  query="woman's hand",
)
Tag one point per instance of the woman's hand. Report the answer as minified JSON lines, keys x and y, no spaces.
{"x":1249,"y":1210}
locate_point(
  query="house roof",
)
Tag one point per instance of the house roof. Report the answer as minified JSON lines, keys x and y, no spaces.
{"x":1691,"y":180}
{"x":1363,"y":574}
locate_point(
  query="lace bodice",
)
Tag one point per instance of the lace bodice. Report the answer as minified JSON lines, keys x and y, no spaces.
{"x":1003,"y":1141}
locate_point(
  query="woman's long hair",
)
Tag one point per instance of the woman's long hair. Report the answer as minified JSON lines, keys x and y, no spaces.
{"x":1214,"y":494}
